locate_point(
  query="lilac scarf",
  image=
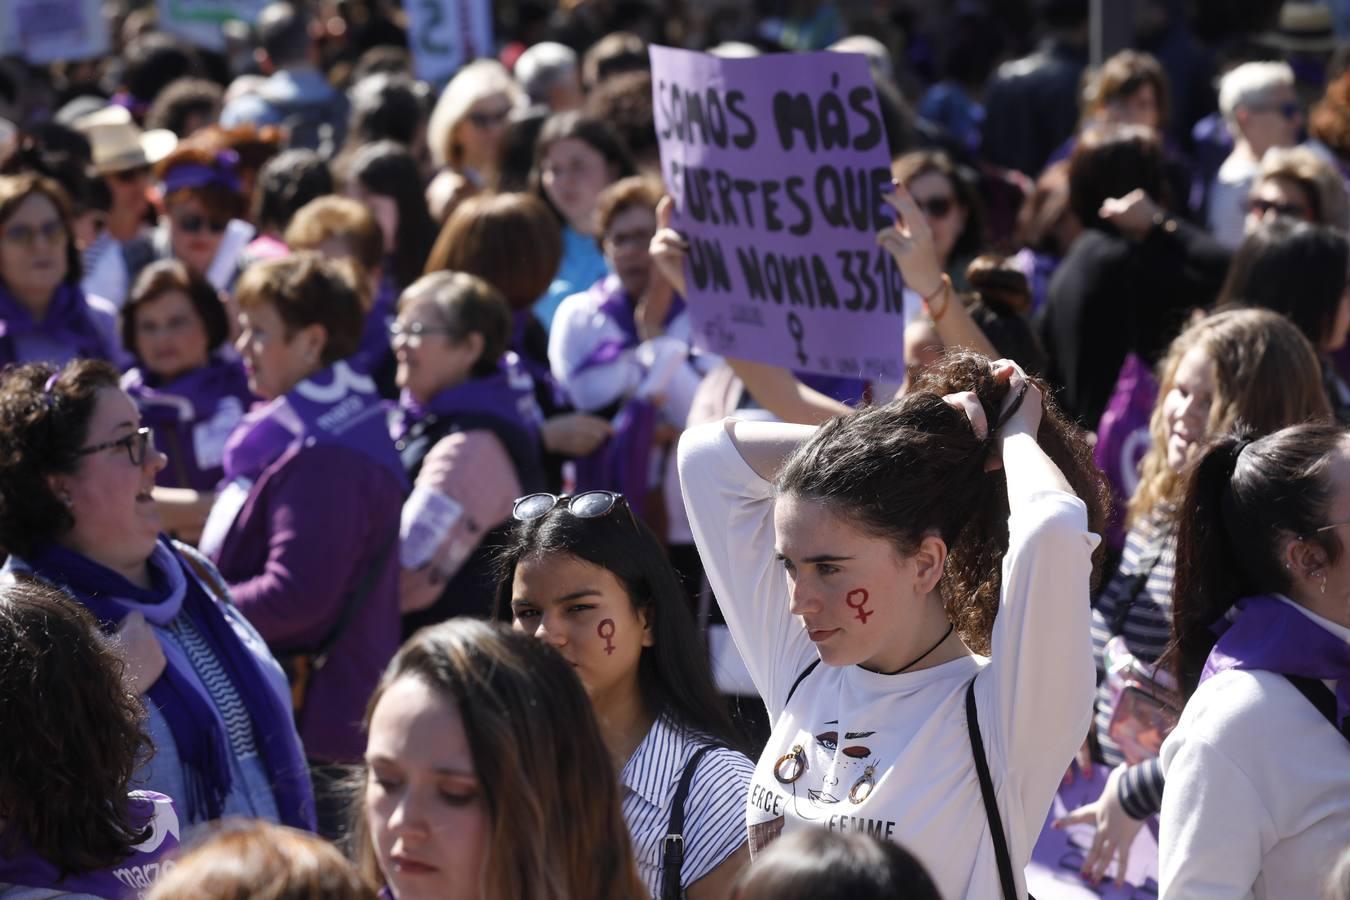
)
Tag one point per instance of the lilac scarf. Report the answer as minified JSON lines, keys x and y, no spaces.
{"x":1271,"y":635}
{"x":335,"y":406}
{"x":198,"y":731}
{"x":67,"y":322}
{"x":618,"y":306}
{"x":507,"y":394}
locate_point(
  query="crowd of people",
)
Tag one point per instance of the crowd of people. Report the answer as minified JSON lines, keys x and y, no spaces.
{"x":373,"y":522}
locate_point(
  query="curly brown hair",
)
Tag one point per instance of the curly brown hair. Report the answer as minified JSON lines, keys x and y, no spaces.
{"x":73,"y":733}
{"x":1329,"y":120}
{"x":914,"y":466}
{"x":41,"y":432}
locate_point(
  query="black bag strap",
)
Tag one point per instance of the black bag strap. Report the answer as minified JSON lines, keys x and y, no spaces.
{"x":352,"y":602}
{"x":800,"y":678}
{"x":672,"y":845}
{"x":1001,"y":856}
{"x":1148,"y":561}
{"x":1321,"y":697}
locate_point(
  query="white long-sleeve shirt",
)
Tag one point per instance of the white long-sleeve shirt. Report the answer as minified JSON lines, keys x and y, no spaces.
{"x":1258,"y":791}
{"x":1034,"y":694}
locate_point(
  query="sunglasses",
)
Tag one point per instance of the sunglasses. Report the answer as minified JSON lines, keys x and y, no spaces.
{"x":586,"y":505}
{"x":1289,"y":109}
{"x":1261,"y":208}
{"x":127,"y":176}
{"x":936,"y":207}
{"x":137,"y":443}
{"x":193,"y":223}
{"x":53,"y":232}
{"x":485,"y":120}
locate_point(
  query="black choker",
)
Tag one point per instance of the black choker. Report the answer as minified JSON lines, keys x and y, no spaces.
{"x":922,"y":656}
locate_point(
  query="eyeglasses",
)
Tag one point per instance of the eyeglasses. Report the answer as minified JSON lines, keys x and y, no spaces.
{"x":193,"y":223}
{"x":1289,"y":109}
{"x":622,"y":240}
{"x":413,"y":332}
{"x":137,"y":443}
{"x":1261,"y":208}
{"x":485,"y":120}
{"x":936,"y":207}
{"x":586,"y":505}
{"x":26,"y":236}
{"x":127,"y":176}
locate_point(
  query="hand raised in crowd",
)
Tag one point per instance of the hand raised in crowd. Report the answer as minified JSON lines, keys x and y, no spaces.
{"x":576,"y":434}
{"x":668,"y":247}
{"x":1133,"y":215}
{"x":910,"y":242}
{"x":1116,"y":830}
{"x":135,"y":642}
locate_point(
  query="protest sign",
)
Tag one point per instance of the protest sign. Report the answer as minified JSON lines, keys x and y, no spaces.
{"x":445,"y":34}
{"x":200,"y":21}
{"x":777,"y":166}
{"x":46,"y":31}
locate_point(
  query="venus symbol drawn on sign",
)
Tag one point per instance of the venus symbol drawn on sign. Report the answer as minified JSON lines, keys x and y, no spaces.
{"x":798,"y":332}
{"x":859,"y":608}
{"x":606,"y":631}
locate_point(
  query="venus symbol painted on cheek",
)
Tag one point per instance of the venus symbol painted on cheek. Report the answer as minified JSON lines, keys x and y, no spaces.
{"x":857,"y":601}
{"x":606,"y":630}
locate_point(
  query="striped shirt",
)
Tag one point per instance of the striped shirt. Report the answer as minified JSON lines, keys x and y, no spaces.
{"x":714,"y":810}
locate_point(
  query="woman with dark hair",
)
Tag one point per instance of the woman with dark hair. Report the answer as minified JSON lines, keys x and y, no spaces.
{"x":1299,"y":270}
{"x":576,"y":158}
{"x":467,"y":430}
{"x":486,"y":776}
{"x":583,"y":574}
{"x":76,"y":512}
{"x":951,"y":205}
{"x":1130,"y":278}
{"x":44,"y":314}
{"x":305,"y":526}
{"x":900,"y":546}
{"x":389,"y":106}
{"x":1258,"y":767}
{"x":189,"y":394}
{"x":384,"y":176}
{"x":75,"y":741}
{"x":835,"y":865}
{"x":285,"y":183}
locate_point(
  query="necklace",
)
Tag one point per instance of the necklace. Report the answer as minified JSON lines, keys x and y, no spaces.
{"x":922,"y":656}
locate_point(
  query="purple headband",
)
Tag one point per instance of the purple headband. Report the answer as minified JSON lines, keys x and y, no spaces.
{"x":222,"y":172}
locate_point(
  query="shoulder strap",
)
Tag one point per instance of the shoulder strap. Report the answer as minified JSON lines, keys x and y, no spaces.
{"x":672,"y":845}
{"x":1005,"y":871}
{"x":800,"y":678}
{"x":1148,"y":561}
{"x":355,"y":597}
{"x":1322,"y":699}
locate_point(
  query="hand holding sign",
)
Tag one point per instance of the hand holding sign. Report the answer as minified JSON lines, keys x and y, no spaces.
{"x":910,"y":242}
{"x":668,"y":248}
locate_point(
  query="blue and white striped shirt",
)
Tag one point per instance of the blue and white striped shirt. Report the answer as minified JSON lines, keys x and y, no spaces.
{"x":714,"y":810}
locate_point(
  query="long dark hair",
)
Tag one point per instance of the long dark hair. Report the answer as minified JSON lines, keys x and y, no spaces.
{"x":914,"y":467}
{"x":673,"y":674}
{"x":388,"y":168}
{"x":1243,"y":499}
{"x":577,"y":126}
{"x":73,"y":733}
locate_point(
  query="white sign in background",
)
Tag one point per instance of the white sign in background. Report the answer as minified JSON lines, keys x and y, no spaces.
{"x":445,"y":34}
{"x":46,"y":31}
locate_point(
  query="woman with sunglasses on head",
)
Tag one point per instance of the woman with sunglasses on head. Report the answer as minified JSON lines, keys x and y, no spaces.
{"x":909,"y":585}
{"x":305,"y":526}
{"x":76,"y":512}
{"x":44,"y":314}
{"x":486,"y":776}
{"x":1258,"y":767}
{"x":582,"y":574}
{"x":467,"y":430}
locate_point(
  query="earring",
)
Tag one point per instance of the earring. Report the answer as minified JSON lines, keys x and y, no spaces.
{"x":68,"y":500}
{"x":1323,"y":586}
{"x":796,"y":760}
{"x":862,"y":788}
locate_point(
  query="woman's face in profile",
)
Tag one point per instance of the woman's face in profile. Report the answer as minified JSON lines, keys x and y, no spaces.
{"x":424,"y":807}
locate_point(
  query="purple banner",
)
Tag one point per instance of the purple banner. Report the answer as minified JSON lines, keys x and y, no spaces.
{"x":777,"y":166}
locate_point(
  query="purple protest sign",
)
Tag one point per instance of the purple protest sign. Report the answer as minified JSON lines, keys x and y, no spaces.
{"x":777,"y":166}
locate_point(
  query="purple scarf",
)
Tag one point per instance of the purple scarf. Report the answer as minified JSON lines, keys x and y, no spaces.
{"x":507,"y":394}
{"x":198,"y":731}
{"x":620,"y":308}
{"x":529,"y":344}
{"x":1271,"y":635}
{"x":374,"y":349}
{"x":335,"y":406}
{"x":128,"y":878}
{"x":623,"y":462}
{"x":67,"y":322}
{"x":175,"y":411}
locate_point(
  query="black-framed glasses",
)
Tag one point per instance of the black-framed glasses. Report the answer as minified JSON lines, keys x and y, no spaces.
{"x":137,"y":443}
{"x":586,"y":505}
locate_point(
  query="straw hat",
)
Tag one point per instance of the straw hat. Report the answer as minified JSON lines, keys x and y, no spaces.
{"x":119,"y":143}
{"x":1303,"y":28}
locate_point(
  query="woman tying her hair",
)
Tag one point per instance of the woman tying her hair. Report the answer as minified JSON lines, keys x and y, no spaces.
{"x":582,"y":574}
{"x":1258,"y":768}
{"x":890,"y":545}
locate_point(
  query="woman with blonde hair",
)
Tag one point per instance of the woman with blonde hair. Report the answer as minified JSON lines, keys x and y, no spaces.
{"x":487,"y":777}
{"x":1245,"y":366}
{"x":464,"y":129}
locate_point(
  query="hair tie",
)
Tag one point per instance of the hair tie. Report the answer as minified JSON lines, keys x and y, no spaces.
{"x":1008,"y":413}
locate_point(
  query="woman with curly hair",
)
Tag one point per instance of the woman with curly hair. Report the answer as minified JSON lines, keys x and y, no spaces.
{"x":73,"y":743}
{"x":908,"y":585}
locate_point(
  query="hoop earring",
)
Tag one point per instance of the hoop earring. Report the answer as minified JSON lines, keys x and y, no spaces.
{"x":862,"y":788}
{"x":796,"y":758}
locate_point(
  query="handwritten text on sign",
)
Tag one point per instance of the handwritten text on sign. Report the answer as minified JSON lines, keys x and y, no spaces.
{"x":777,"y":166}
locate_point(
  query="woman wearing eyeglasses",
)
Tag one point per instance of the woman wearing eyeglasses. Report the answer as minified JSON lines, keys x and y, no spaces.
{"x":464,"y":130}
{"x":76,"y":512}
{"x":1258,"y":768}
{"x":306,"y":526}
{"x":44,"y":315}
{"x":951,"y":206}
{"x":585,"y":576}
{"x":467,"y":429}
